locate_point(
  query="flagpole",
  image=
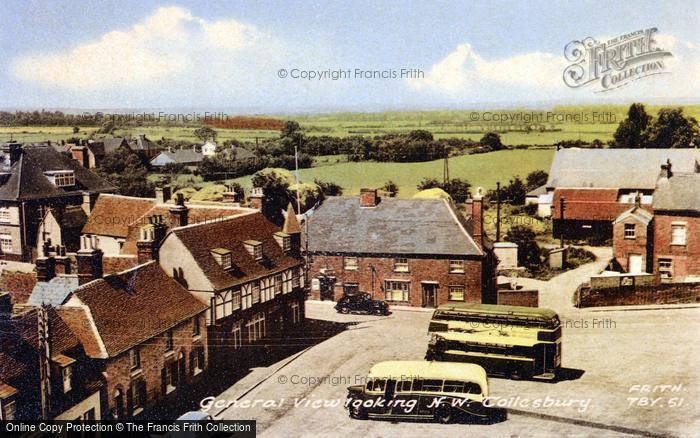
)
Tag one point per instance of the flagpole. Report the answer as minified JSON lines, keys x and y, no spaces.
{"x":296,"y":175}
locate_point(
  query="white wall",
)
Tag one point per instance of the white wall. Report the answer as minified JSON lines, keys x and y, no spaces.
{"x":74,"y":413}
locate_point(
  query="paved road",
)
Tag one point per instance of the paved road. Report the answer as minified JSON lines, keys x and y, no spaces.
{"x":615,"y":350}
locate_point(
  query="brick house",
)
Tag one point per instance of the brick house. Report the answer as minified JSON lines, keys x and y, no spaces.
{"x":44,"y":373}
{"x":115,"y":221}
{"x":597,"y":185}
{"x":91,"y":153}
{"x":416,"y":252}
{"x":41,"y":192}
{"x":665,"y":242}
{"x":249,"y":274}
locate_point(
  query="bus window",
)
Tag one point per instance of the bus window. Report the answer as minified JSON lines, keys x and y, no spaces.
{"x":379,"y":385}
{"x":418,"y":385}
{"x":432,"y":385}
{"x":472,"y":388}
{"x":404,"y":386}
{"x":453,"y":386}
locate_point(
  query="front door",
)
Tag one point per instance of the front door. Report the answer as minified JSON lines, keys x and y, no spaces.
{"x":429,"y":294}
{"x":635,"y":264}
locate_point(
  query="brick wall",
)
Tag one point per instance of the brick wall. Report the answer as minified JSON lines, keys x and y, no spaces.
{"x":667,"y":293}
{"x":686,"y":258}
{"x":622,"y":247}
{"x":153,"y":360}
{"x":522,"y":297}
{"x":420,"y":270}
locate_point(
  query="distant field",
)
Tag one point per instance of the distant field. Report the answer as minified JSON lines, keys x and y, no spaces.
{"x":443,"y":124}
{"x":480,"y":169}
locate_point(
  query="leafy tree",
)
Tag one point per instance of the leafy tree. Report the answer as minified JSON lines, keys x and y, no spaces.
{"x":329,"y":188}
{"x":535,"y":179}
{"x":491,"y":141}
{"x":457,"y":188}
{"x":76,"y":129}
{"x":205,"y":133}
{"x":528,"y":251}
{"x":391,"y":188}
{"x":125,"y":170}
{"x":428,"y":183}
{"x":275,"y":187}
{"x":673,"y":130}
{"x":629,"y":133}
{"x":514,"y":192}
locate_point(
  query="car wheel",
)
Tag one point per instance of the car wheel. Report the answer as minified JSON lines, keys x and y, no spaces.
{"x":516,"y":374}
{"x":443,"y":414}
{"x":343,"y":309}
{"x":358,"y":412}
{"x":379,"y":312}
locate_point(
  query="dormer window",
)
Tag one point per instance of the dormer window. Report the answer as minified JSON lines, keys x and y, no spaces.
{"x":61,"y":178}
{"x":254,"y":248}
{"x":284,"y":240}
{"x":65,"y":366}
{"x":222,"y":257}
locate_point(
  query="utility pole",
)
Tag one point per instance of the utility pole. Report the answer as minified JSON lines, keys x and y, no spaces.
{"x":296,"y":174}
{"x":498,"y":211}
{"x":446,"y":169}
{"x":562,"y":201}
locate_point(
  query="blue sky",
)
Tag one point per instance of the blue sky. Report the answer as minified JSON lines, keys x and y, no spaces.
{"x":226,"y":55}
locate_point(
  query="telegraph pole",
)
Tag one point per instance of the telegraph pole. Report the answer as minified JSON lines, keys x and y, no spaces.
{"x":562,"y":201}
{"x":498,"y":211}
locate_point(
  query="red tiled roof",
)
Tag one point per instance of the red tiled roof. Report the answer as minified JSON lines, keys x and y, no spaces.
{"x":19,"y":284}
{"x":230,"y":234}
{"x":112,"y":214}
{"x":78,"y":320}
{"x":136,"y":305}
{"x":19,"y":342}
{"x":114,"y":264}
{"x":588,"y":204}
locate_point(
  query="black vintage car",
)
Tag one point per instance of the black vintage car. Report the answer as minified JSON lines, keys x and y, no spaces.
{"x":361,"y":303}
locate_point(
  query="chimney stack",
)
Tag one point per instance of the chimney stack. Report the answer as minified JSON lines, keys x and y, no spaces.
{"x":368,"y":197}
{"x":89,"y":260}
{"x":163,"y":194}
{"x":45,"y":269}
{"x":666,"y":171}
{"x":230,"y":195}
{"x":80,"y":154}
{"x":478,"y":217}
{"x":178,"y":212}
{"x":15,"y":152}
{"x":89,"y":200}
{"x":257,"y":198}
{"x":147,"y":248}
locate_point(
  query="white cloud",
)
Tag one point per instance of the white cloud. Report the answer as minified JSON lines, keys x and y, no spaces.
{"x":169,"y":43}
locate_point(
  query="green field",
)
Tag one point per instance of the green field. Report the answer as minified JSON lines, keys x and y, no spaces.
{"x":443,"y":124}
{"x":480,"y":169}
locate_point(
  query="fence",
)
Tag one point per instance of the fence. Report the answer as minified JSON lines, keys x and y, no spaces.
{"x":665,"y":293}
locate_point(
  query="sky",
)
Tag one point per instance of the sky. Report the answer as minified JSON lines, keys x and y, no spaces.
{"x":256,"y":56}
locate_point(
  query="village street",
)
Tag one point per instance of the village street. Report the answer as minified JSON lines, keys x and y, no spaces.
{"x":613,"y":361}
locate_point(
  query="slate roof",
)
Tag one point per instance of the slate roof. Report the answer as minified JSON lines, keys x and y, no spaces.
{"x":681,"y":192}
{"x":108,"y":145}
{"x":142,"y":143}
{"x":133,"y":306}
{"x":394,"y":226}
{"x":27,"y":179}
{"x":541,"y":190}
{"x":241,"y":153}
{"x":181,"y":156}
{"x":588,"y":204}
{"x":53,"y":292}
{"x":230,"y":234}
{"x":617,"y":168}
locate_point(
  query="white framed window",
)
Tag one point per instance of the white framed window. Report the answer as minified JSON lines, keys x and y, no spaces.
{"x":138,"y":395}
{"x":456,"y":293}
{"x":135,"y":358}
{"x":268,"y":289}
{"x":61,"y":178}
{"x":666,"y":268}
{"x":256,"y":292}
{"x":456,"y":266}
{"x":197,"y":361}
{"x":7,"y":413}
{"x":5,"y":216}
{"x":66,"y":374}
{"x":401,"y":265}
{"x":236,"y":339}
{"x":256,"y":327}
{"x":236,"y":300}
{"x":397,"y":290}
{"x":678,"y":234}
{"x":254,"y":248}
{"x":6,"y":243}
{"x":630,"y":231}
{"x":279,"y":284}
{"x":168,"y":341}
{"x":247,"y":296}
{"x":350,"y":263}
{"x":170,"y":375}
{"x":296,"y":313}
{"x":196,"y":329}
{"x":287,"y":281}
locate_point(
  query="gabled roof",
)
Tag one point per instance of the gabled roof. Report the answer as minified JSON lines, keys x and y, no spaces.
{"x":617,"y":168}
{"x":120,"y":216}
{"x":27,"y":179}
{"x":133,"y":306}
{"x":640,"y":214}
{"x":181,"y":156}
{"x":588,"y":204}
{"x":394,"y":226}
{"x":541,"y":190}
{"x":681,"y":192}
{"x":142,"y":143}
{"x":54,"y":292}
{"x":108,"y":145}
{"x":230,"y":234}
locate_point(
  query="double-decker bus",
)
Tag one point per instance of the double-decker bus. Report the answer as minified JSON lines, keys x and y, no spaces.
{"x":509,"y":341}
